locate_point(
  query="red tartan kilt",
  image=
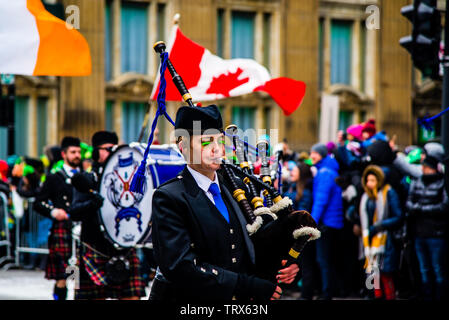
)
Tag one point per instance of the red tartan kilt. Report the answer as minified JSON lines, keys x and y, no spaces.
{"x":133,"y":287}
{"x":60,"y":250}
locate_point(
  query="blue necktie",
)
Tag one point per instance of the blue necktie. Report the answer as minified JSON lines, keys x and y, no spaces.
{"x":74,"y":171}
{"x":213,"y":188}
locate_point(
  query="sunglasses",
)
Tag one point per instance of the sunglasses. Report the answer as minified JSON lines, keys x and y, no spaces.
{"x":109,"y":149}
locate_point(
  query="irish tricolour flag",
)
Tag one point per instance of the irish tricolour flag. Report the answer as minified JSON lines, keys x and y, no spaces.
{"x":209,"y":77}
{"x":34,"y":42}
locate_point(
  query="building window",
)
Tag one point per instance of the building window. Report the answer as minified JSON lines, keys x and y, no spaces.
{"x":134,"y":37}
{"x":242,"y":34}
{"x":362,"y":55}
{"x":109,"y":116}
{"x":321,"y":54}
{"x":41,"y":124}
{"x":345,"y":119}
{"x":267,"y":118}
{"x":108,"y":42}
{"x":244,"y":117}
{"x":341,"y":37}
{"x":3,"y":142}
{"x":220,"y":32}
{"x":21,"y":126}
{"x":266,"y":39}
{"x":362,"y":116}
{"x":133,"y":114}
{"x":161,"y":21}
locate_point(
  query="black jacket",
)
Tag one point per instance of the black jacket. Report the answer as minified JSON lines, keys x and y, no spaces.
{"x":428,"y":206}
{"x":85,"y":208}
{"x":203,"y":256}
{"x":56,"y":192}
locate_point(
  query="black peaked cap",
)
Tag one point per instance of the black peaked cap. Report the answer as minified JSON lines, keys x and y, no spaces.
{"x":102,"y":137}
{"x":209,"y":117}
{"x":70,"y":142}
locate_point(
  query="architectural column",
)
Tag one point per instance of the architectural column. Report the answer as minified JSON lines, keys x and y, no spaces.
{"x":258,"y":37}
{"x":371,"y":62}
{"x":52,"y":117}
{"x":301,"y":63}
{"x":82,"y":99}
{"x":32,"y":125}
{"x":117,"y":121}
{"x":276,"y":59}
{"x":394,"y":98}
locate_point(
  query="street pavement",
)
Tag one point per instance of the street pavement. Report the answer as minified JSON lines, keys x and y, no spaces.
{"x":20,"y":284}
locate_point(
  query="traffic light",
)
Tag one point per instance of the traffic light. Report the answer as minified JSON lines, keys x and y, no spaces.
{"x":424,"y":42}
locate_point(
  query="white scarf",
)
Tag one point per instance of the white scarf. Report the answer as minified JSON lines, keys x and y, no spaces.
{"x":373,"y":250}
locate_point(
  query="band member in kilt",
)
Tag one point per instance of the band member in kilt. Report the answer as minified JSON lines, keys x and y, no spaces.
{"x":200,"y":241}
{"x":53,"y":202}
{"x":96,"y":282}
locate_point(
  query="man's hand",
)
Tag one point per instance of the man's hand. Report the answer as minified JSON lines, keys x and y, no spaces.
{"x":357,"y":230}
{"x":59,"y":214}
{"x":287,"y":275}
{"x":97,"y":201}
{"x":277,"y":294}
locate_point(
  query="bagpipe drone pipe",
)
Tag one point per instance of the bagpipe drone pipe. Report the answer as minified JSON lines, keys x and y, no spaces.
{"x":276,"y":229}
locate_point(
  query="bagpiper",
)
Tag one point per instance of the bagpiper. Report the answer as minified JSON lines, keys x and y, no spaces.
{"x":99,"y":279}
{"x":53,"y":202}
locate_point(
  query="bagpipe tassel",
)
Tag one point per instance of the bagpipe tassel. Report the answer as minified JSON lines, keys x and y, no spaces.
{"x":138,"y":182}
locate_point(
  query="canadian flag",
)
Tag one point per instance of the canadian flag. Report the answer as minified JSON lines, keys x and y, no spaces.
{"x":209,"y":77}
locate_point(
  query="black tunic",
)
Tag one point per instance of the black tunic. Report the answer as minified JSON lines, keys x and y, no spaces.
{"x":198,"y":252}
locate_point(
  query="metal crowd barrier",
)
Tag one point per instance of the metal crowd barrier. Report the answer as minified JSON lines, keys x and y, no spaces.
{"x":31,"y":232}
{"x":5,"y":236}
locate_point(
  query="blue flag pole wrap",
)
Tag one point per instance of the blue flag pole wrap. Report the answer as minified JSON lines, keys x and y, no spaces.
{"x":139,"y":177}
{"x":427,"y":123}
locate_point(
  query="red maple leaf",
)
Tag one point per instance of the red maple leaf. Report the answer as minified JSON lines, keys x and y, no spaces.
{"x":226,"y":82}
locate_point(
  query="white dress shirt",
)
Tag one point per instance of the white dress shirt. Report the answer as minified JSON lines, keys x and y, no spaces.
{"x":68,"y":169}
{"x":204,"y":182}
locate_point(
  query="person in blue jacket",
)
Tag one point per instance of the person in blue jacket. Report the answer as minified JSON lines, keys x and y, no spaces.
{"x":327,"y":210}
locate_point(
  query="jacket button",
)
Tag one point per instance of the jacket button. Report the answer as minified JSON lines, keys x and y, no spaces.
{"x":234,"y":260}
{"x":231,"y":231}
{"x":233,"y":246}
{"x":214,"y":271}
{"x":64,"y":197}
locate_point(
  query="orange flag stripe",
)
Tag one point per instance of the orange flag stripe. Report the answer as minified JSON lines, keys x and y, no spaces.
{"x":62,"y":51}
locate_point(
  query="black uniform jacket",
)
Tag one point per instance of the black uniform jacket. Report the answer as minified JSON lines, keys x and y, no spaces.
{"x":83,"y":209}
{"x":56,"y":192}
{"x":195,"y":248}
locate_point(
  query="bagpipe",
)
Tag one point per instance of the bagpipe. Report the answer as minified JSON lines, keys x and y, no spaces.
{"x":277,"y":230}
